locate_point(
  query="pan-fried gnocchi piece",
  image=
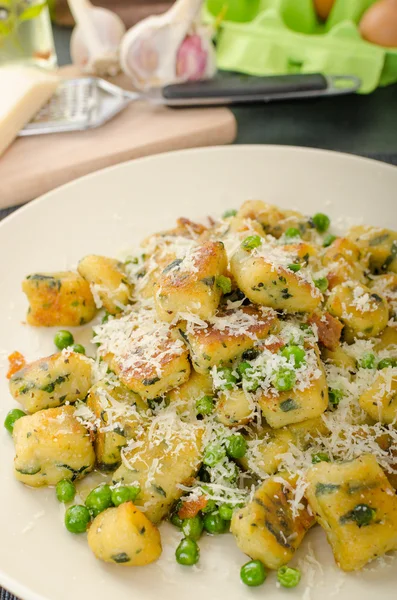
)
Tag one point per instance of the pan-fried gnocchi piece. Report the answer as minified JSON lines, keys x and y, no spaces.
{"x":386,"y":286}
{"x":265,"y":282}
{"x":284,"y":408}
{"x":265,"y":451}
{"x":234,"y":408}
{"x":340,"y":358}
{"x":62,"y":298}
{"x":357,"y":507}
{"x":266,"y":528}
{"x":267,"y":215}
{"x":51,"y":445}
{"x":119,"y":416}
{"x":227,"y":335}
{"x":305,"y":253}
{"x":107,"y":278}
{"x":387,"y":340}
{"x":124,"y":536}
{"x":147,"y":383}
{"x":52,"y":381}
{"x":185,"y":396}
{"x":149,"y":357}
{"x":169,"y":454}
{"x":379,"y":245}
{"x":344,"y":261}
{"x":272,"y":219}
{"x":192,"y":284}
{"x":380,"y":399}
{"x":151,"y":271}
{"x":162,"y":249}
{"x":364,"y":313}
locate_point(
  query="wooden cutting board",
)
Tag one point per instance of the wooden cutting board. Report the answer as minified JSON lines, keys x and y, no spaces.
{"x":35,"y":165}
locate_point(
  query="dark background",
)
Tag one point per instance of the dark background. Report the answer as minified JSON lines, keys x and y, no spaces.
{"x":364,"y":125}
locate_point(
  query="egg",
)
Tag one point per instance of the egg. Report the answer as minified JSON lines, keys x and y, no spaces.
{"x":379,"y":23}
{"x":323,"y":8}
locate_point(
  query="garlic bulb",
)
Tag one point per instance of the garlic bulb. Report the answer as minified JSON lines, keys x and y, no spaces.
{"x":169,"y":48}
{"x":95,"y":40}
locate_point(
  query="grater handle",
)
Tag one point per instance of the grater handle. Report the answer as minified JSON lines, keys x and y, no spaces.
{"x":239,"y":89}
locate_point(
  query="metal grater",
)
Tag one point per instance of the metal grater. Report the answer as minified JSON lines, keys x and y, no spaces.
{"x":79,"y":104}
{"x":88,"y":102}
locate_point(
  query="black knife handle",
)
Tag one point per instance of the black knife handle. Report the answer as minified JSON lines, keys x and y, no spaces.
{"x":237,"y":89}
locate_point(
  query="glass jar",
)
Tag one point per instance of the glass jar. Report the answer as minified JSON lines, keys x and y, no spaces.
{"x":26,"y":33}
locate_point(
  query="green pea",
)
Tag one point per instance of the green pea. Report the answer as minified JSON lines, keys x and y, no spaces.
{"x":124,"y":493}
{"x":205,"y":405}
{"x":250,"y":376}
{"x":321,"y":284}
{"x":328,"y":240}
{"x":362,"y":514}
{"x":320,"y":457}
{"x":63,"y":339}
{"x":242,"y":367}
{"x":213,"y":454}
{"x":213,"y":523}
{"x":226,"y":512}
{"x":209,"y":507}
{"x":176,"y":520}
{"x":78,"y":348}
{"x":77,"y":518}
{"x":387,"y":362}
{"x":65,"y":490}
{"x":284,"y":380}
{"x":192,"y":528}
{"x":11,"y":418}
{"x":251,"y":385}
{"x":295,"y":267}
{"x":295,"y":353}
{"x":253,"y":573}
{"x":367,"y":361}
{"x":292,"y":232}
{"x":228,"y":379}
{"x":251,"y":242}
{"x":288,"y":577}
{"x":229,"y":213}
{"x":321,"y":222}
{"x":236,"y":446}
{"x":233,"y":474}
{"x":224,"y":283}
{"x":187,"y":553}
{"x":99,"y":499}
{"x":334,"y":396}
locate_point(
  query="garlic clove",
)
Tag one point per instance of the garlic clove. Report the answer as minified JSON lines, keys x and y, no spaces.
{"x":195,"y":58}
{"x":96,"y":38}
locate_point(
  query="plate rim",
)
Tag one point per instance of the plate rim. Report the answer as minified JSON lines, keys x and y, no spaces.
{"x":334,"y":154}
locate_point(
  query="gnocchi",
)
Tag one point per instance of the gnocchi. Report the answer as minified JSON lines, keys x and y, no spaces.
{"x":244,"y":379}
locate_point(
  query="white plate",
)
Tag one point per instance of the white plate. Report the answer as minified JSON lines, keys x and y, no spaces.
{"x":105,"y":213}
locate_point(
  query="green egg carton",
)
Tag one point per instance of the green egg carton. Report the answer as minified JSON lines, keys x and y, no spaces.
{"x":267,"y":37}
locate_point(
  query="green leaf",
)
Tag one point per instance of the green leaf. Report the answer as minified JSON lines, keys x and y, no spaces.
{"x":32,"y":12}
